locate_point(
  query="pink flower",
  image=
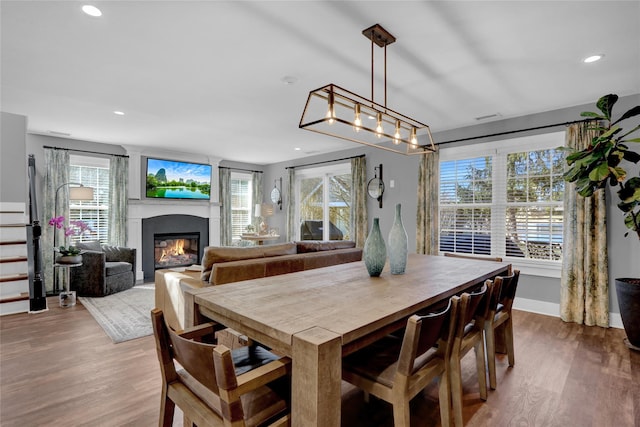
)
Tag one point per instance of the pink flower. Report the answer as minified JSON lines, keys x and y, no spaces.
{"x":75,"y":228}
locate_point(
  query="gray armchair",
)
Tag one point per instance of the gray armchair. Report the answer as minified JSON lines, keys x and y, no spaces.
{"x":105,"y":270}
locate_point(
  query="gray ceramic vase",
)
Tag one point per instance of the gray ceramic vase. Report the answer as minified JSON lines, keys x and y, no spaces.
{"x":398,"y":244}
{"x":375,"y":251}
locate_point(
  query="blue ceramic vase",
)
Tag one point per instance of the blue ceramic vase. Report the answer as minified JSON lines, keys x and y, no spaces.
{"x":375,"y":251}
{"x":398,"y":244}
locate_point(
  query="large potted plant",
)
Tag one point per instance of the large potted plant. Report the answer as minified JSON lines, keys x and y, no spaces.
{"x":602,"y":164}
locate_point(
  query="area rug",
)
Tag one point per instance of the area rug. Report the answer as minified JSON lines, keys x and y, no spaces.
{"x":126,"y":315}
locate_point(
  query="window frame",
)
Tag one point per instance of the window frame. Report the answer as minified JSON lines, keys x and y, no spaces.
{"x":77,"y":160}
{"x":498,"y":151}
{"x":241,"y":176}
{"x":323,"y":172}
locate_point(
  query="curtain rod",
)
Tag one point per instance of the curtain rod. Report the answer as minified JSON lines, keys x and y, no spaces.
{"x":326,"y":161}
{"x":239,"y":169}
{"x":84,"y":151}
{"x":514,"y":131}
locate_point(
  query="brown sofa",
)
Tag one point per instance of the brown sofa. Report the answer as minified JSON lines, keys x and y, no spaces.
{"x":222,"y":265}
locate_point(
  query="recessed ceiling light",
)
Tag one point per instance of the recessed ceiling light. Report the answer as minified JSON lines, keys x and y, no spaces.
{"x":289,"y":80}
{"x":593,"y":58}
{"x":91,"y":10}
{"x":297,"y":148}
{"x":118,"y":113}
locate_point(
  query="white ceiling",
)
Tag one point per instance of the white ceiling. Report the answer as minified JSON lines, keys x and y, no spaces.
{"x":205,"y":77}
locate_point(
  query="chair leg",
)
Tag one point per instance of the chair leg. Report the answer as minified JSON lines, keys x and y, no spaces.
{"x":481,"y":368}
{"x":401,"y":413}
{"x":490,"y":338}
{"x":444,"y":395}
{"x":167,"y":409}
{"x":508,"y":332}
{"x":455,"y":377}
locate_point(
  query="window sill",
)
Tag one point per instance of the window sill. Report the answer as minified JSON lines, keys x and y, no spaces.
{"x":537,"y":268}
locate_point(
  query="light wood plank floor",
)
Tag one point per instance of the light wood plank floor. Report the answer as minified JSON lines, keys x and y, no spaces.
{"x":59,"y":368}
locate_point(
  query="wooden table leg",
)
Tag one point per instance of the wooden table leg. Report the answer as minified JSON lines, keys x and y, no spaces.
{"x":316,"y":378}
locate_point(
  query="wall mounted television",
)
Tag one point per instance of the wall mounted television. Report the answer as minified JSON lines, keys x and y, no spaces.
{"x":171,"y":179}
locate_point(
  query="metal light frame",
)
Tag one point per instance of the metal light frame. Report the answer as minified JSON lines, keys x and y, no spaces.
{"x":335,"y":111}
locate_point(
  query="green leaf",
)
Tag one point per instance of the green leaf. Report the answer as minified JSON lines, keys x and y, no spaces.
{"x":630,"y":190}
{"x":575,"y":156}
{"x":632,"y":112}
{"x":619,"y":173}
{"x":572,"y":174}
{"x":606,"y":103}
{"x":599,"y":173}
{"x":585,"y":187}
{"x":632,"y":140}
{"x":591,"y":114}
{"x":628,"y":221}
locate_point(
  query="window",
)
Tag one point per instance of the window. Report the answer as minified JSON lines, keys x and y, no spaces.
{"x":505,"y":199}
{"x":91,"y":172}
{"x":241,"y":190}
{"x":324,"y":202}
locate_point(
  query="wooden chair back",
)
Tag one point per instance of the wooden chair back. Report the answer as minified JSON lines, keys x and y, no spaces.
{"x":508,"y":292}
{"x":423,"y":332}
{"x":213,"y":368}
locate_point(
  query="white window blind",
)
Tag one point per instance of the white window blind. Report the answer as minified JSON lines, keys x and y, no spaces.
{"x":91,"y":172}
{"x":504,"y":199}
{"x":241,"y":203}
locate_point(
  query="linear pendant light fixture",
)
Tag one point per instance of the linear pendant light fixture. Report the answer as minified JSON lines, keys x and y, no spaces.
{"x":334,"y":111}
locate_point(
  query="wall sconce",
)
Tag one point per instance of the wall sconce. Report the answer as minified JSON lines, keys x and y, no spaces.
{"x":375,"y":187}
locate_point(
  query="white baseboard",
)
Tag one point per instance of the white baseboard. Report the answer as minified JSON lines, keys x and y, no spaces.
{"x":553,"y":309}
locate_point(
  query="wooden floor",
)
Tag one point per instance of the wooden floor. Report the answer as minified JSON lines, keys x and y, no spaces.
{"x":59,"y":368}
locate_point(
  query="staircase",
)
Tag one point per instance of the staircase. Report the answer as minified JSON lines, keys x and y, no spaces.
{"x":14,"y":268}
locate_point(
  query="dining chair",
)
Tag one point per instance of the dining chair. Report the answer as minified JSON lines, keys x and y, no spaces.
{"x":482,"y":258}
{"x":499,"y":322}
{"x":469,"y":334}
{"x":395,"y":369}
{"x":214,"y":386}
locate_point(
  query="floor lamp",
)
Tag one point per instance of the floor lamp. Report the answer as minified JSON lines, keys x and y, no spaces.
{"x":75,"y":193}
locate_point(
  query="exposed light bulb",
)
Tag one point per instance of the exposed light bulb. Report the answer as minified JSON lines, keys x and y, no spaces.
{"x":357,"y":121}
{"x":379,"y":129}
{"x":413,"y":139}
{"x":396,"y":135}
{"x":331,"y":111}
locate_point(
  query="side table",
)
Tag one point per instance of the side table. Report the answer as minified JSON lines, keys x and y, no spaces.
{"x":67,"y":297}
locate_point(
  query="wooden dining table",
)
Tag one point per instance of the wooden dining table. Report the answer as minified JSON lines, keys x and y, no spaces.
{"x":317,"y":316}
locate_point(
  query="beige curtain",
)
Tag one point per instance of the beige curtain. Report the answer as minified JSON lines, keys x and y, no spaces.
{"x":584,"y":287}
{"x":359,"y":200}
{"x":291,"y":206}
{"x":118,"y":199}
{"x":427,"y":215}
{"x":224,"y":175}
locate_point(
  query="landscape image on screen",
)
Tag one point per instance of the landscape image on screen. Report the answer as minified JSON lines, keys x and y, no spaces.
{"x":169,"y":179}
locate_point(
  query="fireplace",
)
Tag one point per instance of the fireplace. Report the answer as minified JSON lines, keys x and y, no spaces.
{"x":175,"y":250}
{"x":172,"y":241}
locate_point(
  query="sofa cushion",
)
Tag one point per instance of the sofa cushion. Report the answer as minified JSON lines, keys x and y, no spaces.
{"x":327,"y":258}
{"x":93,"y":245}
{"x":115,"y":253}
{"x":116,"y":267}
{"x":280,"y":249}
{"x":283,"y":265}
{"x":235,"y":271}
{"x":305,"y":246}
{"x":221,"y":254}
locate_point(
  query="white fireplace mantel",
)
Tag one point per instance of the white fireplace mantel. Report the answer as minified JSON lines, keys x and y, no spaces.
{"x":140,"y":209}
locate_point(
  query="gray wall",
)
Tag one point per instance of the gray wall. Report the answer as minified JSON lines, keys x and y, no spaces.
{"x":624,"y":253}
{"x":14,"y":186}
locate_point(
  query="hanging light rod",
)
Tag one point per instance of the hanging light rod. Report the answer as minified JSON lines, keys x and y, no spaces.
{"x":334,"y":111}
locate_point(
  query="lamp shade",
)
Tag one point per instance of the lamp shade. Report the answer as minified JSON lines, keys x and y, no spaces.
{"x":267,"y":209}
{"x":80,"y":193}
